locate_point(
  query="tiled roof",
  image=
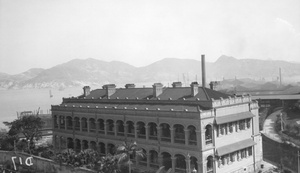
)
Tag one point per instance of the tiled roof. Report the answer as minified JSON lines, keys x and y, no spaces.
{"x":179,"y":93}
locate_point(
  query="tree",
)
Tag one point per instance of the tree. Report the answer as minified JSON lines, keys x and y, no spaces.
{"x":29,"y":126}
{"x":125,"y":151}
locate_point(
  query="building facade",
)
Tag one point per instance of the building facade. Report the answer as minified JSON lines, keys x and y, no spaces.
{"x":183,"y":128}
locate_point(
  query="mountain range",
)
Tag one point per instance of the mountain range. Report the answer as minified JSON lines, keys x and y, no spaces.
{"x":80,"y":72}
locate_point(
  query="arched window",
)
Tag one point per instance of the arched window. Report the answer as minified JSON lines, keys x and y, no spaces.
{"x":141,"y":131}
{"x":69,"y":123}
{"x":120,"y":128}
{"x":92,"y":125}
{"x":153,"y":159}
{"x":101,"y":126}
{"x":102,"y":148}
{"x":93,"y":145}
{"x":167,"y":161}
{"x":166,"y":134}
{"x":110,"y":127}
{"x":192,"y":135}
{"x":208,"y":134}
{"x":130,"y":129}
{"x":152,"y":131}
{"x":179,"y":135}
{"x":180,"y":163}
{"x":77,"y":145}
{"x":77,"y":123}
{"x":210,"y":164}
{"x":84,"y":124}
{"x":70,"y":143}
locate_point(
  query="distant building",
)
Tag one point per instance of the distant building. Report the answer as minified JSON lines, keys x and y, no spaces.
{"x":182,"y":128}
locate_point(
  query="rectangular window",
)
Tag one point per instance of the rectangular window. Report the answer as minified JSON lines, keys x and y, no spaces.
{"x":243,"y":153}
{"x":222,"y":129}
{"x":248,"y":123}
{"x":230,"y":127}
{"x":232,"y":156}
{"x":250,"y":151}
{"x":242,"y":124}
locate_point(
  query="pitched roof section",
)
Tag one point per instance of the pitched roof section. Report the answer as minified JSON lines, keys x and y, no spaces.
{"x":180,"y":93}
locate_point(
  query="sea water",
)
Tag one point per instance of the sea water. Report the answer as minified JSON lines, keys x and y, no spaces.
{"x":16,"y":101}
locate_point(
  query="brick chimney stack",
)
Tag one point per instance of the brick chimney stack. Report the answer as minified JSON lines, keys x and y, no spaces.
{"x":110,"y":89}
{"x":194,"y":88}
{"x":86,"y":91}
{"x":157,"y":89}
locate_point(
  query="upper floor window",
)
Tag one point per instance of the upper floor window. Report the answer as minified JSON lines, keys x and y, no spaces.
{"x":248,"y":122}
{"x":242,"y":124}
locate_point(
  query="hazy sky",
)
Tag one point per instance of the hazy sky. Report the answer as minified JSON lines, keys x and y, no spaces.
{"x":44,"y":33}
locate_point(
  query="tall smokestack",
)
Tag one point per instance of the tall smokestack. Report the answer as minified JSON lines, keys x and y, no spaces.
{"x":203,"y":70}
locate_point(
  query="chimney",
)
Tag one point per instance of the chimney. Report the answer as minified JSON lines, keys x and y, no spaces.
{"x":110,"y":89}
{"x":203,"y":70}
{"x":129,"y":85}
{"x":194,"y":88}
{"x":157,"y":89}
{"x":213,"y":84}
{"x":177,"y":84}
{"x":86,"y":91}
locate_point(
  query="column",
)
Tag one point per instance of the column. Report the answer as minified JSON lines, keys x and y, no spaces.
{"x":188,"y":164}
{"x":160,"y":160}
{"x":172,"y":134}
{"x":116,"y":128}
{"x":237,"y":126}
{"x":81,"y":145}
{"x":199,"y":137}
{"x":105,"y":128}
{"x":147,"y":127}
{"x":73,"y":124}
{"x":125,"y":129}
{"x":159,"y":132}
{"x":200,"y":167}
{"x":148,"y":159}
{"x":135,"y":130}
{"x":88,"y":125}
{"x":173,"y":164}
{"x":186,"y":136}
{"x":80,"y":125}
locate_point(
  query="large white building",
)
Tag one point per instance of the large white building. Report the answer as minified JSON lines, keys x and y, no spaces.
{"x":183,"y":128}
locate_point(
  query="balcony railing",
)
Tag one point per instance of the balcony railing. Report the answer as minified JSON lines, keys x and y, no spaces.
{"x":77,"y":128}
{"x":192,"y":142}
{"x":120,"y":134}
{"x":179,"y":141}
{"x":101,"y":131}
{"x":166,"y":139}
{"x":208,"y":141}
{"x":92,"y":130}
{"x":143,"y":136}
{"x":84,"y":129}
{"x":69,"y":127}
{"x":110,"y":132}
{"x":130,"y":135}
{"x":153,"y":137}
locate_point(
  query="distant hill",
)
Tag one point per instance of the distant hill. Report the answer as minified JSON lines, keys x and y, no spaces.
{"x":241,"y":74}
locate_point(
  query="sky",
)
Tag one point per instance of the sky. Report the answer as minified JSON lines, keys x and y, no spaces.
{"x":45,"y":33}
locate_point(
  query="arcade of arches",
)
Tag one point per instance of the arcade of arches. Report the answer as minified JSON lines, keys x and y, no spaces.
{"x":174,"y":134}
